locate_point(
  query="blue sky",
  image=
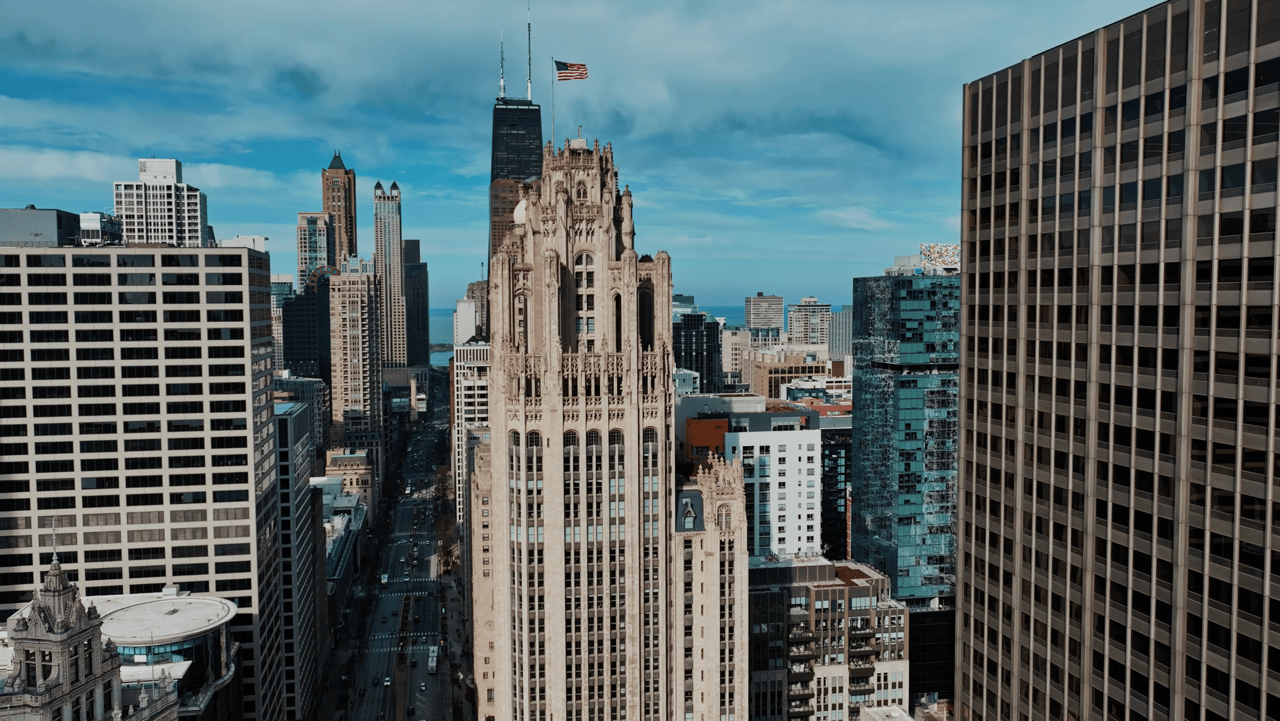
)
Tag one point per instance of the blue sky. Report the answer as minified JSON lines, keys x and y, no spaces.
{"x":783,"y":147}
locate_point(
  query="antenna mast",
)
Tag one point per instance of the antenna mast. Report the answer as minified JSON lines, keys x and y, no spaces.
{"x":528,"y":90}
{"x":502,"y":61}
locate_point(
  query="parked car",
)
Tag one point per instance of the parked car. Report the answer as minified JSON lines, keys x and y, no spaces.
{"x":386,"y":681}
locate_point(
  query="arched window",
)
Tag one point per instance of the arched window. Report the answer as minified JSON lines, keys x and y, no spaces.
{"x":644,"y":319}
{"x":533,"y":453}
{"x":616,"y":455}
{"x":649,"y":449}
{"x":724,"y":518}
{"x":572,"y":453}
{"x":584,"y":281}
{"x":594,"y":453}
{"x":617,"y":323}
{"x":580,"y":193}
{"x":513,"y":453}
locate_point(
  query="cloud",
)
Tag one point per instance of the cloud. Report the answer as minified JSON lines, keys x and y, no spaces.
{"x":855,"y":217}
{"x":747,"y":129}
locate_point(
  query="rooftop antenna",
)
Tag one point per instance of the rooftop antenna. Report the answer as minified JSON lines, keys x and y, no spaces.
{"x":502,"y":81}
{"x":528,"y":25}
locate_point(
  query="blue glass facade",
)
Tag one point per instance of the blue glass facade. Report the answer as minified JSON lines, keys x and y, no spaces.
{"x":905,"y":419}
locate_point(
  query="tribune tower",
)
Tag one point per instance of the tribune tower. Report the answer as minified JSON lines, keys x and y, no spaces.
{"x":572,"y":518}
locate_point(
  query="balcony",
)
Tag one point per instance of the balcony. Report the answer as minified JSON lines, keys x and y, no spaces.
{"x":800,"y":634}
{"x":862,"y":650}
{"x":799,"y":692}
{"x":800,"y":673}
{"x":861,"y":632}
{"x":799,"y":711}
{"x":859,"y":686}
{"x":802,"y":652}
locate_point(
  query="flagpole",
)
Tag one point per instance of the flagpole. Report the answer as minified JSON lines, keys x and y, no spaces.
{"x":553,"y":103}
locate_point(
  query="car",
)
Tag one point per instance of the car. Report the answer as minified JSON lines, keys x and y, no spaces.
{"x":375,"y":681}
{"x":384,"y":619}
{"x":411,"y":711}
{"x":395,"y":612}
{"x":413,"y":663}
{"x":386,"y":681}
{"x":422,"y":687}
{"x":415,"y":619}
{"x":362,"y":691}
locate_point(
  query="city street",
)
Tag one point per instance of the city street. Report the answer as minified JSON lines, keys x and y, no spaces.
{"x":391,"y":677}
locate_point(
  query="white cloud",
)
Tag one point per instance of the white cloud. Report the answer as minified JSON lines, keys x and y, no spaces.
{"x":855,"y":217}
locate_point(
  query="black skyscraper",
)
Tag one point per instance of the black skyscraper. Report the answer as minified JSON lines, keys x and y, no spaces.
{"x":517,"y":140}
{"x":517,"y":156}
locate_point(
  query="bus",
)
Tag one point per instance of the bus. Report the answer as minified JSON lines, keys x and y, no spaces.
{"x":384,"y":580}
{"x":433,"y":655}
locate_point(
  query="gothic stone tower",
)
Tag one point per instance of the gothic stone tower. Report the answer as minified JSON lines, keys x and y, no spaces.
{"x":571,"y":518}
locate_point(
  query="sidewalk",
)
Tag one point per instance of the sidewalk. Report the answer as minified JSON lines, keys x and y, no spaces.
{"x":459,"y":647}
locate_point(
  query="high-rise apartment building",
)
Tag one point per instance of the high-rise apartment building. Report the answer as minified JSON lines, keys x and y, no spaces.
{"x":317,"y":245}
{"x":826,"y":640}
{"x":840,"y":343}
{"x":905,"y":335}
{"x":1119,"y":349}
{"x":304,"y":618}
{"x":388,"y":259}
{"x":478,"y":291}
{"x":837,"y":473}
{"x":338,"y":196}
{"x":160,"y":208}
{"x":137,"y":425}
{"x":469,"y":410}
{"x":763,"y":312}
{"x":782,"y":464}
{"x":578,"y":481}
{"x":809,"y":323}
{"x":355,"y":330}
{"x":281,"y":291}
{"x":515,"y":158}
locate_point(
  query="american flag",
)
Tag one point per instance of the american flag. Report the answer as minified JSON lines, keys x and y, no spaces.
{"x":570,"y":71}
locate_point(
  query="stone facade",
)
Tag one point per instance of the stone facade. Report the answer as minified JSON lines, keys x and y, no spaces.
{"x":571,"y":527}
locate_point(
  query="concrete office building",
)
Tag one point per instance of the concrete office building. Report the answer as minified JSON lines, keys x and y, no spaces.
{"x":388,"y":261}
{"x":137,"y":422}
{"x":317,"y":246}
{"x":355,"y":466}
{"x":1119,"y":341}
{"x":826,"y":640}
{"x":304,"y":616}
{"x":160,"y":208}
{"x":38,"y":227}
{"x":338,"y":200}
{"x":355,"y":328}
{"x":763,"y":312}
{"x":782,"y":468}
{"x":734,"y":342}
{"x":809,"y":323}
{"x":578,"y":481}
{"x":765,"y":372}
{"x":468,"y":410}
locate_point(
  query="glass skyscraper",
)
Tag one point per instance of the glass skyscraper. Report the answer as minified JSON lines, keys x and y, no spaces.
{"x":904,"y":375}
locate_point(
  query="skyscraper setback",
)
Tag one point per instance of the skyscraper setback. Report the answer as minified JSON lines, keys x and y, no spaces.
{"x":572,"y":528}
{"x":1119,"y":342}
{"x":338,"y":192}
